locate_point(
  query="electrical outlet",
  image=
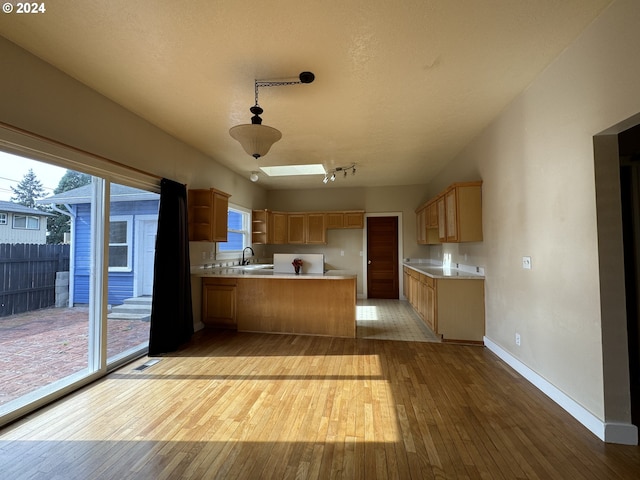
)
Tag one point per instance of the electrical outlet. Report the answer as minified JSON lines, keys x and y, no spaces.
{"x":526,"y":263}
{"x":518,"y":339}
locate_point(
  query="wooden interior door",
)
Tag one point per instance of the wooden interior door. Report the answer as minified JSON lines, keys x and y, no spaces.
{"x":382,"y":257}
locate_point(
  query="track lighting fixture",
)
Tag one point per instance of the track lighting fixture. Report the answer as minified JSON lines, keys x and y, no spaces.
{"x":331,"y":174}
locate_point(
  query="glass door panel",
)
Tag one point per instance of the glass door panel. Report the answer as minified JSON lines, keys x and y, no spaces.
{"x":45,"y":256}
{"x":133,"y":223}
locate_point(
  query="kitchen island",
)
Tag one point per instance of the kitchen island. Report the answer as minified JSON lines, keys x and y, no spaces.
{"x":263,"y":301}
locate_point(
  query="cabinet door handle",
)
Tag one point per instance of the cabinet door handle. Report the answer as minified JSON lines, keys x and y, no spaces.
{"x":368,"y":262}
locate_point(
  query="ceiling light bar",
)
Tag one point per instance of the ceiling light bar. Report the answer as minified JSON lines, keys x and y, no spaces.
{"x":331,"y":174}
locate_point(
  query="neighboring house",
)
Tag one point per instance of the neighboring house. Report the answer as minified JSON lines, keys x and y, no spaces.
{"x":133,"y":223}
{"x":20,"y":224}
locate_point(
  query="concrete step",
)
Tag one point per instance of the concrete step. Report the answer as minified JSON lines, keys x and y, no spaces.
{"x":138,"y":301}
{"x":137,"y":308}
{"x":145,"y":317}
{"x":131,"y":308}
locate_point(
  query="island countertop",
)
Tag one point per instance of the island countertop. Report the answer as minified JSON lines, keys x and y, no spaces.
{"x":231,"y":272}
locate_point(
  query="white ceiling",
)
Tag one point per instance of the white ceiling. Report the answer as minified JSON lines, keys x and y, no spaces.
{"x":401,"y":86}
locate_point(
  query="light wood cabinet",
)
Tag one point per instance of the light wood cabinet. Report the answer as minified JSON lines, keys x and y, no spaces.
{"x":442,"y":218}
{"x":421,"y":225}
{"x":297,"y":306}
{"x":306,"y":228}
{"x":219,"y":302}
{"x":354,"y":219}
{"x":260,"y":227}
{"x":432,"y":215}
{"x":427,"y":224}
{"x":268,"y":227}
{"x":316,"y":233}
{"x":451,"y":308}
{"x":454,"y":216}
{"x":334,"y":220}
{"x":463,"y":211}
{"x":279,"y":228}
{"x":208,"y":212}
{"x":296,"y":226}
{"x":301,"y":227}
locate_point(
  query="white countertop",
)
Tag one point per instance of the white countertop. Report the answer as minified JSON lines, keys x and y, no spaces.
{"x":269,"y":273}
{"x":438,"y":271}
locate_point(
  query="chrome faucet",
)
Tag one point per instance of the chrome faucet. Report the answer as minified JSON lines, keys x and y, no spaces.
{"x":245,"y":262}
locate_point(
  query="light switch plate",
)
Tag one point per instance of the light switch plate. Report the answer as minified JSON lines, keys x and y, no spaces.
{"x":526,"y":263}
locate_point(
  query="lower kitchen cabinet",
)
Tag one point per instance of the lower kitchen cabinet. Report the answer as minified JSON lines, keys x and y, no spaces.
{"x":452,"y":307}
{"x":219,"y":302}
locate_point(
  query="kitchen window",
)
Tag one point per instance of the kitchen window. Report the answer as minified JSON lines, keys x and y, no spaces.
{"x":238,"y":232}
{"x":26,"y":222}
{"x":120,"y":237}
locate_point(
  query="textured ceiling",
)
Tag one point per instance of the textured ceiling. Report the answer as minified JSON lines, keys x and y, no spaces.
{"x":401,"y":86}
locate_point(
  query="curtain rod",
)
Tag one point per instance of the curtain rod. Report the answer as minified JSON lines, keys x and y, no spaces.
{"x":57,"y":143}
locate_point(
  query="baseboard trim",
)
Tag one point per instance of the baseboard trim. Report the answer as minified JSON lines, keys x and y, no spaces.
{"x":622,"y":433}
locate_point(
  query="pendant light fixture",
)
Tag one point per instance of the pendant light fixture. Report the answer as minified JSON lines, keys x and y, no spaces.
{"x":255,"y":138}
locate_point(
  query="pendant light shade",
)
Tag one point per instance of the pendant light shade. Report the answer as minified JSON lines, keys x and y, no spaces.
{"x":256,"y":139}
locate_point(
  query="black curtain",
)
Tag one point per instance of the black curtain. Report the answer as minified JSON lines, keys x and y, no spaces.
{"x":171,"y":309}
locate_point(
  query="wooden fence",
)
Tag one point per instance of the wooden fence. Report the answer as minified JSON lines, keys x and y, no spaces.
{"x":28,"y":276}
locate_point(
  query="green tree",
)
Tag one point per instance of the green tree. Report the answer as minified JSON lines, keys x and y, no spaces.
{"x":28,"y":190}
{"x":59,"y":224}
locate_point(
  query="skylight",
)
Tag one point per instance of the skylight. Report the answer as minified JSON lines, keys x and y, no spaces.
{"x":289,"y":170}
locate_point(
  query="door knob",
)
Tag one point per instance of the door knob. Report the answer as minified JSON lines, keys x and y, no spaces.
{"x":368,"y":262}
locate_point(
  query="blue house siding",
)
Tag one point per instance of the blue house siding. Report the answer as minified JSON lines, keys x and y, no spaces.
{"x":82,"y":254}
{"x":120,"y":284}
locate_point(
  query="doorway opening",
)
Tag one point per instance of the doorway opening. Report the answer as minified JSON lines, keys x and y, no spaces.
{"x":629,"y":152}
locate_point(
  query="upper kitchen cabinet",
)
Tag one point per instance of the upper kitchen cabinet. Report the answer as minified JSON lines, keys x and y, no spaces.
{"x":208,"y":210}
{"x":268,"y":227}
{"x":260,"y":231}
{"x":421,"y":224}
{"x":306,"y":228}
{"x":296,"y":226}
{"x":334,"y":220}
{"x":278,"y":228}
{"x":354,"y":219}
{"x":346,"y":219}
{"x":316,"y":230}
{"x":463,"y":213}
{"x":427,"y":224}
{"x":454,"y":216}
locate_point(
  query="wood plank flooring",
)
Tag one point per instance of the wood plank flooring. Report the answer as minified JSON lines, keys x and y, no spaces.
{"x":248,"y":406}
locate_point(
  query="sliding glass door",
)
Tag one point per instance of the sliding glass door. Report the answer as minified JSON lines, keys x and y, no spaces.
{"x":76,"y":278}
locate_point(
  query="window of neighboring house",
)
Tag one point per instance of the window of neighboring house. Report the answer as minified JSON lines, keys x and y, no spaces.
{"x":3,"y":218}
{"x":238,"y":232}
{"x":120,"y":237}
{"x":28,"y":222}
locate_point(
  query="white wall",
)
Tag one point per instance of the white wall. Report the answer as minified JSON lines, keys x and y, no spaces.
{"x":539,"y":199}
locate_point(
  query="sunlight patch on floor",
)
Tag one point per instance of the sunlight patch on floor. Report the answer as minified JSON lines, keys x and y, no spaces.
{"x":367,"y":312}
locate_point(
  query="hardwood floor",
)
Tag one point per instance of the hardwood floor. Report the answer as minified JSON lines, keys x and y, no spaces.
{"x":247,"y":406}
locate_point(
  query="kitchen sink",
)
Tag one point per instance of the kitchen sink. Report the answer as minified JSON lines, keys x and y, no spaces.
{"x":253,"y":266}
